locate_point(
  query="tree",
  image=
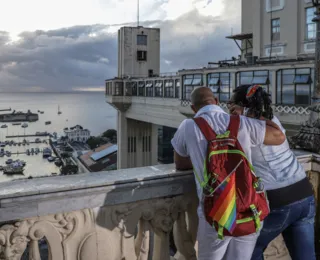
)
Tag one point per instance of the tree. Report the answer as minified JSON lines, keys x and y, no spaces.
{"x":111,"y":134}
{"x":93,"y":142}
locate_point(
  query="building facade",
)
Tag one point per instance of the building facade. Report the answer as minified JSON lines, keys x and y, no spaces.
{"x":276,"y":47}
{"x":280,"y":28}
{"x":77,"y":134}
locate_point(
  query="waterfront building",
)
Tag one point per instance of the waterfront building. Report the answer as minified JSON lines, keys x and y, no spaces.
{"x":77,"y":134}
{"x":103,"y":158}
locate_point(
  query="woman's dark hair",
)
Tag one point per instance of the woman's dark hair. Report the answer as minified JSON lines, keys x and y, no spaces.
{"x":259,"y":102}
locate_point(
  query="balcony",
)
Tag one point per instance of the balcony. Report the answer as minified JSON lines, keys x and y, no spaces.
{"x":140,"y":213}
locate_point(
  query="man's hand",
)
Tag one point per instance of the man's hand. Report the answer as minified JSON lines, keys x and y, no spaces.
{"x":182,"y":163}
{"x":236,"y":110}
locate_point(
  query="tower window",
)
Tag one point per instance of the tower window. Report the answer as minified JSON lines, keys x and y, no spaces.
{"x":141,"y":55}
{"x":141,"y":39}
{"x":275,"y":29}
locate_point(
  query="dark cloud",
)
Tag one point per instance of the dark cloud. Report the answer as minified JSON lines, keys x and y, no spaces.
{"x":83,"y":56}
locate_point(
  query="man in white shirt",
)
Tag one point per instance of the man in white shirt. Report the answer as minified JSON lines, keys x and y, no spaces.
{"x":190,"y":152}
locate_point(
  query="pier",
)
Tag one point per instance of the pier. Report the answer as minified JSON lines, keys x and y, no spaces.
{"x":5,"y":109}
{"x":28,"y":135}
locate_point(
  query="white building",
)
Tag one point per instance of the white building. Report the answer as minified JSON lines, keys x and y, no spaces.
{"x":77,"y":134}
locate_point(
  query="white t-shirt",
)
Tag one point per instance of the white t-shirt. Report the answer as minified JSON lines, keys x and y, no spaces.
{"x":277,"y":166}
{"x":188,"y":141}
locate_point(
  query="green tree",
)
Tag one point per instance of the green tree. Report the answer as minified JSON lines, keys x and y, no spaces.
{"x":111,"y":134}
{"x":93,"y":142}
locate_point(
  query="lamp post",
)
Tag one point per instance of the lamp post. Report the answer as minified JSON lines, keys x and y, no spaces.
{"x":308,"y":137}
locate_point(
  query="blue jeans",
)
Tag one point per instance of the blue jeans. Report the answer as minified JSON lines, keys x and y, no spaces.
{"x":296,"y":223}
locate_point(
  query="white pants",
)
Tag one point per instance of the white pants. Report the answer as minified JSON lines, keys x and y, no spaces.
{"x":230,"y":248}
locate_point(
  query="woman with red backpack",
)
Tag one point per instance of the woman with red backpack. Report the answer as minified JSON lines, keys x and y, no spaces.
{"x":290,"y":194}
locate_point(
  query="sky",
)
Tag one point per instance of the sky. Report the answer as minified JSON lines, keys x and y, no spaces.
{"x":67,"y":45}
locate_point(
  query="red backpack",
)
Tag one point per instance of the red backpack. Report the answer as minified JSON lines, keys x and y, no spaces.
{"x":234,"y":203}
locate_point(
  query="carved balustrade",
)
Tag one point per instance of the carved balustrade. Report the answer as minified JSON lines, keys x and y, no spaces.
{"x":142,"y":213}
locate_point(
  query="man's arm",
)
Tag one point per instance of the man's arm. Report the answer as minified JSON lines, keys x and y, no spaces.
{"x":182,"y":163}
{"x":274,"y":135}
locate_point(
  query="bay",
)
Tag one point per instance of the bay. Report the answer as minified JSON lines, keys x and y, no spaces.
{"x":88,"y":109}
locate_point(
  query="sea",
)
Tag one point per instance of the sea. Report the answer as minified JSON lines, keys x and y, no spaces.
{"x":88,"y":109}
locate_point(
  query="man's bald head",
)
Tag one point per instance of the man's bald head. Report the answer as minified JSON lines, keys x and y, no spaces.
{"x":201,"y":97}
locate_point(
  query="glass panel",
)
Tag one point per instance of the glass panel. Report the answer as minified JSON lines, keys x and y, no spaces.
{"x":225,"y":88}
{"x":141,"y":84}
{"x":260,"y":80}
{"x":225,"y":75}
{"x":197,"y":76}
{"x":214,"y":89}
{"x":178,"y":83}
{"x":245,"y":80}
{"x":141,"y":39}
{"x":169,"y":84}
{"x":196,"y":81}
{"x":213,"y":75}
{"x":261,"y":73}
{"x":303,"y":71}
{"x":287,"y":79}
{"x":279,"y":87}
{"x":286,"y":72}
{"x":246,"y":74}
{"x":312,"y":77}
{"x":303,"y":94}
{"x":302,"y":79}
{"x":288,"y":94}
{"x":187,"y":81}
{"x":225,"y":81}
{"x":188,"y":76}
{"x":213,"y":81}
{"x":224,"y":97}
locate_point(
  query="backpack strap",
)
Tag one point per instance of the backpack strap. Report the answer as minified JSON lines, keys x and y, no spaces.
{"x":205,"y":128}
{"x":234,"y":125}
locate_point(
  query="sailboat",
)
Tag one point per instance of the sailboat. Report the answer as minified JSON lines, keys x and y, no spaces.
{"x":59,"y":112}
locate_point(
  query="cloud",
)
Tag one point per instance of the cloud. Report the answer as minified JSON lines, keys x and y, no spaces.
{"x":82,"y":57}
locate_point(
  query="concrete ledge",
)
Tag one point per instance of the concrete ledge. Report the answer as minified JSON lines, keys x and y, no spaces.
{"x":40,"y":197}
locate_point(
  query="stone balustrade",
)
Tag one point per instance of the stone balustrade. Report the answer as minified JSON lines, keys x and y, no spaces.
{"x":140,"y":213}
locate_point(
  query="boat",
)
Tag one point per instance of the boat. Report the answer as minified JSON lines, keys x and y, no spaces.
{"x":51,"y":159}
{"x":9,"y":161}
{"x":37,"y":141}
{"x":28,"y":152}
{"x":59,"y":112}
{"x":15,"y":168}
{"x":1,"y":154}
{"x":18,"y":123}
{"x":46,"y":152}
{"x":4,"y":126}
{"x":48,"y":122}
{"x":8,"y":154}
{"x":24,"y":125}
{"x":2,"y":144}
{"x":41,"y":112}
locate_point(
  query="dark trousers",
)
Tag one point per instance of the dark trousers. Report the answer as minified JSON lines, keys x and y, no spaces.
{"x":296,"y":223}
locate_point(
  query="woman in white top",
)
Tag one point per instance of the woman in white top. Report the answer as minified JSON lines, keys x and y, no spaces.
{"x":290,"y":194}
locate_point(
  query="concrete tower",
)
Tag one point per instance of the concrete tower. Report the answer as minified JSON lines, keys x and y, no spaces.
{"x":138,"y":52}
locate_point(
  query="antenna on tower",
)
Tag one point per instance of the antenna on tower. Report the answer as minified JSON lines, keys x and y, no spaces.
{"x":138,"y":7}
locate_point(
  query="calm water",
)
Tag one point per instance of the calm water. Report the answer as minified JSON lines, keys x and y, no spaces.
{"x":86,"y":109}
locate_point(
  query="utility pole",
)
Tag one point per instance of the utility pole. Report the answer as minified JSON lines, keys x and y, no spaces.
{"x":308,"y":137}
{"x":138,"y":13}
